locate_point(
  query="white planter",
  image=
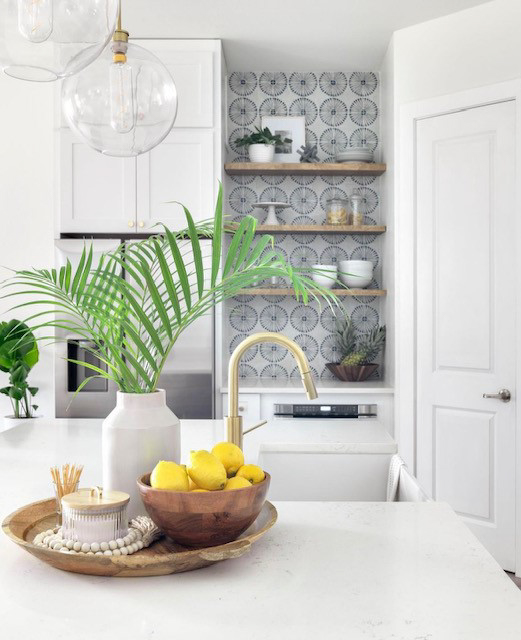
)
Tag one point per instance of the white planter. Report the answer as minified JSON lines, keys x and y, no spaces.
{"x":139,"y":432}
{"x":261,"y":152}
{"x":10,"y":422}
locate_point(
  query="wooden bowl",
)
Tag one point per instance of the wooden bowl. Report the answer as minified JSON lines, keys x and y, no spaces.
{"x":203,"y":519}
{"x":352,"y":373}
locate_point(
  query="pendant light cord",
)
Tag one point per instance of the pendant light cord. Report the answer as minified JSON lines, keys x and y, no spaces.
{"x":119,"y":16}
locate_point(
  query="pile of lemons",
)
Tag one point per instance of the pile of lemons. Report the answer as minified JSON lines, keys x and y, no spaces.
{"x":221,"y":469}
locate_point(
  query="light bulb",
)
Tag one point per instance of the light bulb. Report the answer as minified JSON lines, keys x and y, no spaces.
{"x":35,"y":19}
{"x":122,"y":114}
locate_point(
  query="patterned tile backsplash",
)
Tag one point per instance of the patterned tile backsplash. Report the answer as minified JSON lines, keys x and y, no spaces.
{"x":341,"y":109}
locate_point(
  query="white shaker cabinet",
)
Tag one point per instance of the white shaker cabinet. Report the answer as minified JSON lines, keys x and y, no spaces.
{"x":181,"y":168}
{"x":97,"y":192}
{"x":194,"y":66}
{"x":102,"y":194}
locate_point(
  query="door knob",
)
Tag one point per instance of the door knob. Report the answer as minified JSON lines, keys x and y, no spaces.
{"x":503,"y":394}
{"x":131,"y":223}
{"x":141,"y":224}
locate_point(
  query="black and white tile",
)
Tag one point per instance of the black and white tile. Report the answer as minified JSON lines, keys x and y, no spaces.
{"x":341,"y":110}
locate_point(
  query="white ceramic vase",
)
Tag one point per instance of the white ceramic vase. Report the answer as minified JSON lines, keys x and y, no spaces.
{"x":261,"y":152}
{"x":139,"y":432}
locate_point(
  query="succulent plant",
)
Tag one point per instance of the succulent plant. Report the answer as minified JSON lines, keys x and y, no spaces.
{"x":261,"y":136}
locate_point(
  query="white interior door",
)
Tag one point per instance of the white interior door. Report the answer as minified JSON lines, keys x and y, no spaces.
{"x":466,"y":318}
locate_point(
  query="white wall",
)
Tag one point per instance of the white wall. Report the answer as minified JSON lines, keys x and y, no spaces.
{"x":473,"y":48}
{"x":387,"y":85}
{"x":26,"y":197}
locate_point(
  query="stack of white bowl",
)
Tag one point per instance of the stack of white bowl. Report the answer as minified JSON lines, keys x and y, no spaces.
{"x":356,"y":274}
{"x":325,"y":275}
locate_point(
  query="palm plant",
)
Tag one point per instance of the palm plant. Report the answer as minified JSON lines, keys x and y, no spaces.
{"x":135,"y":304}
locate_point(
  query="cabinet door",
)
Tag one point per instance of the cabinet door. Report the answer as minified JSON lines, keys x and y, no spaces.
{"x":97,"y":193}
{"x":191,"y":65}
{"x":181,"y":169}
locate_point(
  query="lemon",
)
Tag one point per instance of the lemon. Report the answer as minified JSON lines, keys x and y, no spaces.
{"x":199,"y":491}
{"x":169,"y":475}
{"x":252,"y":473}
{"x":191,"y":484}
{"x":207,"y":471}
{"x":230,"y":455}
{"x":237,"y":483}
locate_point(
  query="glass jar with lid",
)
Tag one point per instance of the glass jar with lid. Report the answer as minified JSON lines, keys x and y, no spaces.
{"x":357,"y":215}
{"x":336,"y":211}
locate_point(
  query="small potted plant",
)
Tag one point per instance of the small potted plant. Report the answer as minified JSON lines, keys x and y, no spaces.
{"x":357,"y":351}
{"x":18,"y":355}
{"x":261,"y":144}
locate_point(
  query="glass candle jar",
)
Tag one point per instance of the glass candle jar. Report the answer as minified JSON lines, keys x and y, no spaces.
{"x":357,"y":215}
{"x":94,"y":515}
{"x":336,"y":212}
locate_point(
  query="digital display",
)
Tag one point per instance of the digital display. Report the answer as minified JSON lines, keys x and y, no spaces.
{"x":325,"y":408}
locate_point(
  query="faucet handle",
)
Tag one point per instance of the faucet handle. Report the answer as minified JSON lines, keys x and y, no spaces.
{"x":255,"y":426}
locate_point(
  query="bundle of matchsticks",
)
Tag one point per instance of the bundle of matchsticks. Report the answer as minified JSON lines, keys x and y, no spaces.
{"x":67,"y":480}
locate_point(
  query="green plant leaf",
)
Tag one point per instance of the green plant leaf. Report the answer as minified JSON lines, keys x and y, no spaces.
{"x":217,"y":237}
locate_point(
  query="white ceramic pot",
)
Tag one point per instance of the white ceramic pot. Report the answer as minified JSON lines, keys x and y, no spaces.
{"x":139,"y":432}
{"x":261,"y":152}
{"x":10,"y":422}
{"x":327,"y":276}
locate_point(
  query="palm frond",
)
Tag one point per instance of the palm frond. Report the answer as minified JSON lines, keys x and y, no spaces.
{"x":138,"y":300}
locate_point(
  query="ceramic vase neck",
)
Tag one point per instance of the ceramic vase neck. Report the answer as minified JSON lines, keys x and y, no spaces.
{"x":141,"y":400}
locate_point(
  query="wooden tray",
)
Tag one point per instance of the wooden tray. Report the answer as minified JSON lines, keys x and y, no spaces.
{"x":161,"y":558}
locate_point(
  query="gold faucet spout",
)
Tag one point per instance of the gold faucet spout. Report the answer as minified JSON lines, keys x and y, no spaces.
{"x":234,"y":420}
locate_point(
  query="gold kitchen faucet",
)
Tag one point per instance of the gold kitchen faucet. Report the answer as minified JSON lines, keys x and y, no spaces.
{"x":234,"y":432}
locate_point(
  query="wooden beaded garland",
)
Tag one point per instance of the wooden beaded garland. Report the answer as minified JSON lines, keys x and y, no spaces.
{"x":141,"y":533}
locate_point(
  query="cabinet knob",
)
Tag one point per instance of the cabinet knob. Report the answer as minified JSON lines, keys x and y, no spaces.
{"x":141,"y":224}
{"x":131,"y":223}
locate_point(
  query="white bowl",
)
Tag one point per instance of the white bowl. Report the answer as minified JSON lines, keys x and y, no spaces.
{"x":327,"y":276}
{"x":356,"y":274}
{"x":356,"y":282}
{"x":356,"y":267}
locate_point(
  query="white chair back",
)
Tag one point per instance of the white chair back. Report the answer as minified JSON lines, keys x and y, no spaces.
{"x":402,"y":486}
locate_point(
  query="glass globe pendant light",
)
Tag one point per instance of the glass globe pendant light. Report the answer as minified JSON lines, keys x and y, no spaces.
{"x":124,"y":103}
{"x":40,"y":39}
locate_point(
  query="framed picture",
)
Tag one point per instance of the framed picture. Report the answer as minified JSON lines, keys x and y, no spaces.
{"x":293,"y":127}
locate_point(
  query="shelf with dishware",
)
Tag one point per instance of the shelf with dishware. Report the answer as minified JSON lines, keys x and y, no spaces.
{"x":305,"y":168}
{"x":347,"y":229}
{"x":273,"y":291}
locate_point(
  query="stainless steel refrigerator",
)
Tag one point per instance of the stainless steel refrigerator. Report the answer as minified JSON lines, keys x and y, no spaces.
{"x":188,"y":376}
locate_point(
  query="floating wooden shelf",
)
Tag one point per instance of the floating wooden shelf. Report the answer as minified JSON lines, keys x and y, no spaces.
{"x":316,"y":228}
{"x":257,"y":291}
{"x":304,"y":168}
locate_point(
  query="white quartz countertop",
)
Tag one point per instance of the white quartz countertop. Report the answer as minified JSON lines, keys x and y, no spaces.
{"x":266,"y":385}
{"x":377,"y":571}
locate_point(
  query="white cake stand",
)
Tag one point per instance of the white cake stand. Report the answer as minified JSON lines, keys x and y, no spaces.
{"x":271,"y":206}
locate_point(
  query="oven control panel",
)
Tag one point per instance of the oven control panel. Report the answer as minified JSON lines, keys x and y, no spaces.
{"x":325,"y":410}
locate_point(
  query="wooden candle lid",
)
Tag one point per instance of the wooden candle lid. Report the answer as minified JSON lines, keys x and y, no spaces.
{"x":95,"y":498}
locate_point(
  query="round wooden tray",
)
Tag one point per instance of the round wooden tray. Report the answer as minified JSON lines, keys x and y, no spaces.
{"x":163,"y":557}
